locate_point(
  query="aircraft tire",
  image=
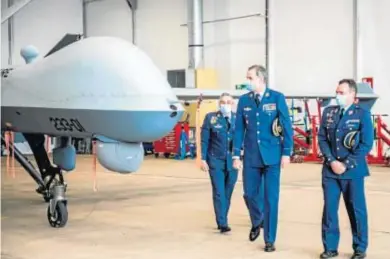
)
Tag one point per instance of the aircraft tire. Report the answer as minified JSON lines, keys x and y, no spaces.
{"x":60,"y":217}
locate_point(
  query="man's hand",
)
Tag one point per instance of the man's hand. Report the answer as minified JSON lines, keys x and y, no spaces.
{"x":237,"y":164}
{"x":285,"y":161}
{"x":338,"y":167}
{"x":204,"y":166}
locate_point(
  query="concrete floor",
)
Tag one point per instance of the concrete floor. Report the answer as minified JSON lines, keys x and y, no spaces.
{"x":165,"y":211}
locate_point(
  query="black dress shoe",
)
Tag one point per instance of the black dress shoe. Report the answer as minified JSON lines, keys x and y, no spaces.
{"x":329,"y":254}
{"x":269,"y":247}
{"x":254,"y":233}
{"x":225,"y":229}
{"x":358,"y":255}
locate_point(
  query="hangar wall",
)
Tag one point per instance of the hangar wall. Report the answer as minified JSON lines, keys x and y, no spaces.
{"x":311,"y":42}
{"x":109,"y":18}
{"x":159,"y":33}
{"x":374,"y":49}
{"x":301,"y":34}
{"x":41,"y":23}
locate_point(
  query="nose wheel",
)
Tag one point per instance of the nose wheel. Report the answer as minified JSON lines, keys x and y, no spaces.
{"x":59,"y":217}
{"x":57,"y":210}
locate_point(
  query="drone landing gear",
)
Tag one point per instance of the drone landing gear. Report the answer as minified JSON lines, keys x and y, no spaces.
{"x":50,"y":180}
{"x":57,"y":211}
{"x":54,"y":193}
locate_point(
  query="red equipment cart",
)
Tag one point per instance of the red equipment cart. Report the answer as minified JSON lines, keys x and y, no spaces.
{"x":307,"y":151}
{"x":170,"y":144}
{"x":382,"y":138}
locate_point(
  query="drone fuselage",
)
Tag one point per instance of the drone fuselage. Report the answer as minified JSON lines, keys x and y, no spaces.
{"x":97,"y":86}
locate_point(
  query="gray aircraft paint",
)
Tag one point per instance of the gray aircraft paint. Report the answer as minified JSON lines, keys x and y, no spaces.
{"x":126,"y":126}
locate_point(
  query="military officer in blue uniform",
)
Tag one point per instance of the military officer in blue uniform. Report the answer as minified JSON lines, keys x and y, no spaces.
{"x":345,"y":137}
{"x":263,"y":124}
{"x":216,"y":147}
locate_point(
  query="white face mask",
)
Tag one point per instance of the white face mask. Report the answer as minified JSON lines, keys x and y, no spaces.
{"x":341,"y":100}
{"x":250,"y":86}
{"x":226,"y":109}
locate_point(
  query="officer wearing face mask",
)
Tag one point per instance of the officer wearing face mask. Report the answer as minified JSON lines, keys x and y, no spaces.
{"x":216,"y":147}
{"x":263,"y":125}
{"x":345,"y":138}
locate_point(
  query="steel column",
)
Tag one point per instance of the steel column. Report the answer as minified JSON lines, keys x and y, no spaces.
{"x":85,"y":24}
{"x":267,"y":61}
{"x":356,"y":42}
{"x":195,"y":33}
{"x":10,"y":35}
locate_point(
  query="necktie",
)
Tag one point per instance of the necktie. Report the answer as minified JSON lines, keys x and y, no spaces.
{"x":341,"y":113}
{"x":227,"y":121}
{"x":257,"y":99}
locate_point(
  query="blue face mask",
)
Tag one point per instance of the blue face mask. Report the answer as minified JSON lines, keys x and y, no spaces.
{"x":341,"y":100}
{"x":226,"y":109}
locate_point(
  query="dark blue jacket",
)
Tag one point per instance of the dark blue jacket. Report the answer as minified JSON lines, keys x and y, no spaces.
{"x":217,"y":139}
{"x":254,"y":128}
{"x":333,"y":137}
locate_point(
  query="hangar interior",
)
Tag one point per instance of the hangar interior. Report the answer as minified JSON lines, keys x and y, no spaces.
{"x":160,"y":205}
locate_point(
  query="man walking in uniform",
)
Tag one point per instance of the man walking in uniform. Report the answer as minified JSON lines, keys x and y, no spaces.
{"x":216,"y":145}
{"x":345,"y":138}
{"x":263,"y":124}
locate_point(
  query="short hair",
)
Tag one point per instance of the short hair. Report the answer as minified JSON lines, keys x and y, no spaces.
{"x":351,"y":84}
{"x":260,"y":71}
{"x":225,"y":94}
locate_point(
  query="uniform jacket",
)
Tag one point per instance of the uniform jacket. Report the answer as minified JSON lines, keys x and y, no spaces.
{"x":333,"y":135}
{"x":217,"y":139}
{"x":254,"y":128}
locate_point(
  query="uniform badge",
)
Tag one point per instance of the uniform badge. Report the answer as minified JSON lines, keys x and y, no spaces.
{"x":351,"y":140}
{"x":352,"y":121}
{"x":350,"y":112}
{"x":267,"y":94}
{"x":277,"y":129}
{"x":269,"y":107}
{"x":247,"y":109}
{"x":218,"y":126}
{"x":213,"y":120}
{"x":251,"y":95}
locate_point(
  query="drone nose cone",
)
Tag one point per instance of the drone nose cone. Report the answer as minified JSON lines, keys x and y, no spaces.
{"x":29,"y":53}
